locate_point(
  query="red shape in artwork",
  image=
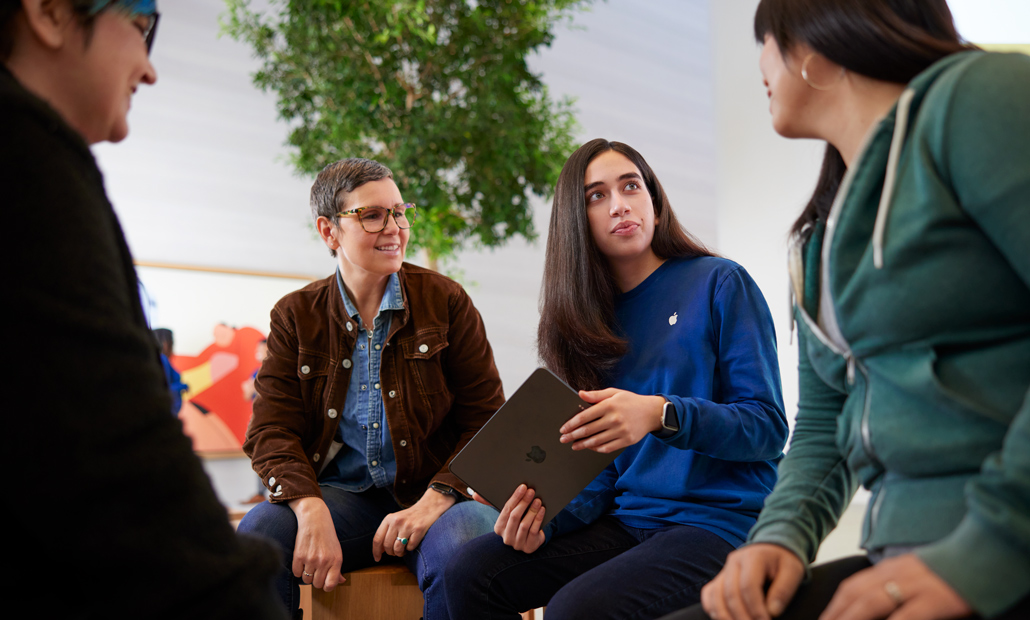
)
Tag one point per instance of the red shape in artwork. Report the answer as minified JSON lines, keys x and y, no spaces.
{"x":231,"y":361}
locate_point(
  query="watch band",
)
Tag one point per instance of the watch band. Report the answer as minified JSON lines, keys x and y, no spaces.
{"x":446,"y":490}
{"x":670,"y":421}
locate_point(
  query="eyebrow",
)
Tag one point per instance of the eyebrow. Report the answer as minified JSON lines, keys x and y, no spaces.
{"x":628,"y":175}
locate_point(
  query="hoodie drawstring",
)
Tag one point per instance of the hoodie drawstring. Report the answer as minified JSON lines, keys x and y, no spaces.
{"x":897,"y":141}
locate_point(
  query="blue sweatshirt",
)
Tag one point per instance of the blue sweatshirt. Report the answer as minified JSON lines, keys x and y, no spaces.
{"x":700,"y":334}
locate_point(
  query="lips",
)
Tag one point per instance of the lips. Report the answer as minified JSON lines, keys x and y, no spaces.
{"x":625,"y":228}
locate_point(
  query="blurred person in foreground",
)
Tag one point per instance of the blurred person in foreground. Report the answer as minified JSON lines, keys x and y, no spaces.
{"x":110,"y":513}
{"x":911,"y":277}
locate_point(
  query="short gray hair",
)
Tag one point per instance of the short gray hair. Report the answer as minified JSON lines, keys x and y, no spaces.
{"x":329,"y":193}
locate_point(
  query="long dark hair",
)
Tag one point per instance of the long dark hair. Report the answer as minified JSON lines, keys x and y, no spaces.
{"x":577,"y":301}
{"x":888,"y":40}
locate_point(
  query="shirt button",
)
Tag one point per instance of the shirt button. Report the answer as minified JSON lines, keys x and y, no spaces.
{"x":374,"y":463}
{"x":305,"y":369}
{"x":316,"y":457}
{"x":375,"y":425}
{"x":332,"y":414}
{"x":423,"y":348}
{"x":361,"y":346}
{"x":378,"y":347}
{"x":404,"y":442}
{"x":392,"y":393}
{"x":346,"y":363}
{"x":364,"y":387}
{"x":377,"y":386}
{"x":350,"y":326}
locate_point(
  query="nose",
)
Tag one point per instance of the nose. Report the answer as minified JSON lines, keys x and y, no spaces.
{"x":391,"y":227}
{"x":149,"y":74}
{"x":619,"y":206}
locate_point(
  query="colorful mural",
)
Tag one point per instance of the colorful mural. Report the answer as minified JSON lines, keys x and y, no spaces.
{"x":215,"y":412}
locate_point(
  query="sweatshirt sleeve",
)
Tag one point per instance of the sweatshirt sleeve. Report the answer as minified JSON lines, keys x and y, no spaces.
{"x":815,"y":484}
{"x":986,"y":559}
{"x":748,"y":423}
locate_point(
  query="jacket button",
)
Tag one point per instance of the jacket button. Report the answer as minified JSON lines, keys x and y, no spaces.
{"x":316,"y":457}
{"x":350,"y":326}
{"x":404,"y":442}
{"x":422,"y":348}
{"x":392,"y":393}
{"x":332,"y":414}
{"x":271,"y":481}
{"x":346,"y":363}
{"x":305,"y":369}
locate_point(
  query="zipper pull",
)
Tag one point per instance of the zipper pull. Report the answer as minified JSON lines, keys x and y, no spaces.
{"x":851,"y":368}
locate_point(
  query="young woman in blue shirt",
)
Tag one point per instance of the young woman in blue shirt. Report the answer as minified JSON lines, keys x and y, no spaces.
{"x":676,"y":349}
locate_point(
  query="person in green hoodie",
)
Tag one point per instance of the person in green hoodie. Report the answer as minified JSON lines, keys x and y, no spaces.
{"x":911,"y":278}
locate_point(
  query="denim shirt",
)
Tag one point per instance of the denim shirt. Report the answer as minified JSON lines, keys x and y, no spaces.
{"x":367,"y":456}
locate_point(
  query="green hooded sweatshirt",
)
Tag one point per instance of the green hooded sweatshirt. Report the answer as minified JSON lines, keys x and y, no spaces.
{"x":913,"y":315}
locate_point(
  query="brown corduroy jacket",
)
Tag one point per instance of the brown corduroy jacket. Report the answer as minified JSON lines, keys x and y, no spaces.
{"x":438,"y":377}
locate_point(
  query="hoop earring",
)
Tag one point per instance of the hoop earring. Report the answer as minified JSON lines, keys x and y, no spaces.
{"x":804,"y":75}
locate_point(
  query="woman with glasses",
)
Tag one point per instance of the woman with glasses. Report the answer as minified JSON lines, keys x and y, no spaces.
{"x":675,"y":348}
{"x":376,"y":376}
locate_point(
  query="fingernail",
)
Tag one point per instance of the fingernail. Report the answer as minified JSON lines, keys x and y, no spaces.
{"x":562,"y":430}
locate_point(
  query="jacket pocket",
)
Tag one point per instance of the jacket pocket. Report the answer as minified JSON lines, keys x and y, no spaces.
{"x":424,"y":356}
{"x":312,"y":370}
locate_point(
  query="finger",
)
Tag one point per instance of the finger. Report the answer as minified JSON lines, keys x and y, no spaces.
{"x":786,"y":578}
{"x":596,"y":396}
{"x":589,"y":429}
{"x":333,"y":577}
{"x":502,"y":519}
{"x":318,"y":581}
{"x":751,"y":582}
{"x":583,"y":417}
{"x":522,"y":534}
{"x":596,"y":441}
{"x":538,"y":522}
{"x":399,"y":542}
{"x":414,"y":540}
{"x":298,"y":567}
{"x":731,"y":594}
{"x":379,"y":538}
{"x":718,"y":600}
{"x":479,"y":498}
{"x":511,"y":528}
{"x":860,"y":596}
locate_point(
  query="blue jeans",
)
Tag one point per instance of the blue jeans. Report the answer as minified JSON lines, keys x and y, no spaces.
{"x":357,"y":517}
{"x":605,"y":570}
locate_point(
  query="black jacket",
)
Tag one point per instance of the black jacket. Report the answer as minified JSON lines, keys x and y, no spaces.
{"x":109,"y":512}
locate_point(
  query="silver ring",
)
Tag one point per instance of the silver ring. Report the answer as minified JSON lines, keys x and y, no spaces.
{"x":403,"y":541}
{"x":307,"y":574}
{"x":894,"y":592}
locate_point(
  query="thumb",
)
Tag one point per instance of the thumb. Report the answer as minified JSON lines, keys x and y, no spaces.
{"x":788,"y":575}
{"x":596,"y":396}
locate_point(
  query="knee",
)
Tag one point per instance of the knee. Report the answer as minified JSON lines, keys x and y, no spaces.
{"x":273,"y":522}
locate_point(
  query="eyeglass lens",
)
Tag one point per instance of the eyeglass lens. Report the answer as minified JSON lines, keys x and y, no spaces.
{"x":373,"y":219}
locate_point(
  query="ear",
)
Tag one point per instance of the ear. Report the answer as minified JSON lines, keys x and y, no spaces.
{"x":327,"y":232}
{"x":49,"y":21}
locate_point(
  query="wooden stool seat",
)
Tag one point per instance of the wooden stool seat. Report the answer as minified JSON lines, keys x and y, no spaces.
{"x":378,"y":593}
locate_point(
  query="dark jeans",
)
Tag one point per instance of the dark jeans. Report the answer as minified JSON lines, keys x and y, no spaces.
{"x":605,"y":570}
{"x":814,"y":595}
{"x":357,"y":517}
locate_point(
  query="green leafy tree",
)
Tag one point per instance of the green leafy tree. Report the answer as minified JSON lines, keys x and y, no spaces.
{"x":438,"y":90}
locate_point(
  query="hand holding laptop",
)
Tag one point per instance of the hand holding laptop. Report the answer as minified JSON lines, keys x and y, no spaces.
{"x":520,"y":521}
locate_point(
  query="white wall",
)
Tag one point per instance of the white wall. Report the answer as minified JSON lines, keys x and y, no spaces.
{"x":203,"y":179}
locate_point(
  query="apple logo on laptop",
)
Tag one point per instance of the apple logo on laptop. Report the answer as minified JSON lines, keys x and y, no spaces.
{"x":536,"y":455}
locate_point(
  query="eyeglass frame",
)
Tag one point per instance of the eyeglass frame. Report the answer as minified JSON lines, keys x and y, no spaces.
{"x":391,"y":211}
{"x":148,"y":35}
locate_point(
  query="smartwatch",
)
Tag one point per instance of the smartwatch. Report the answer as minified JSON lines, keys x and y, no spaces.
{"x":446,"y":490}
{"x":670,"y":422}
